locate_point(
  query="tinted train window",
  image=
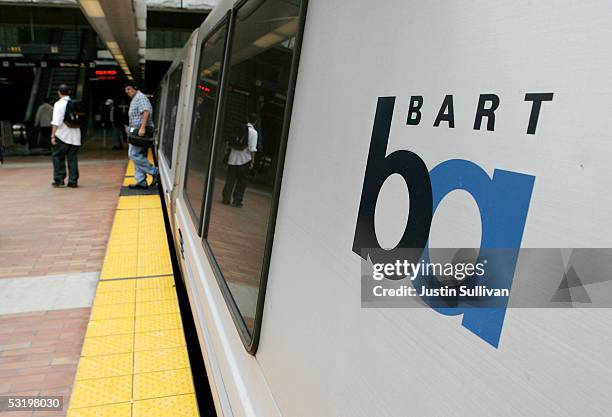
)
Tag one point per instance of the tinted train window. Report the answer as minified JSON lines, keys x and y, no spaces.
{"x":205,"y":103}
{"x":157,"y":107}
{"x":172,"y":102}
{"x":248,"y":150}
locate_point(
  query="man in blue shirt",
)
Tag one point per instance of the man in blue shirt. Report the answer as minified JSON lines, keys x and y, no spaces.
{"x":140,"y":116}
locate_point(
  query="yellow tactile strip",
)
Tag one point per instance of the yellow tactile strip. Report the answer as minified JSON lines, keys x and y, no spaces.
{"x":134,"y":361}
{"x":176,"y":405}
{"x":137,"y":246}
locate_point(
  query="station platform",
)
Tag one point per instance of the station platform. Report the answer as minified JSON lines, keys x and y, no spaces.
{"x":123,"y":351}
{"x":134,"y":360}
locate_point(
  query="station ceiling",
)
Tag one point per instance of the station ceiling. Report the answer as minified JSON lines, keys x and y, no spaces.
{"x":14,"y":14}
{"x":120,"y":24}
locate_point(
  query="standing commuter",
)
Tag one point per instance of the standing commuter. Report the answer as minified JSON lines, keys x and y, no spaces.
{"x":114,"y":123}
{"x":65,"y":140}
{"x":122,"y":119}
{"x":240,"y":160}
{"x":140,"y":117}
{"x":42,"y":121}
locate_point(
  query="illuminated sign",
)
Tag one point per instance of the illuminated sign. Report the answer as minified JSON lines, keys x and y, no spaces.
{"x":10,"y":49}
{"x":106,"y":74}
{"x":30,"y":49}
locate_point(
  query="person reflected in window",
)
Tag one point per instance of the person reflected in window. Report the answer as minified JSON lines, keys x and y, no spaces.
{"x":242,"y":148}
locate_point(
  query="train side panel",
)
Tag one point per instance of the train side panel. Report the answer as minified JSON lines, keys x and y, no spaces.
{"x":322,"y":353}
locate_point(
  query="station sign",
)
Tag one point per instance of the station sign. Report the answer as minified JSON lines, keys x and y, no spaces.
{"x":29,"y":63}
{"x":30,"y":49}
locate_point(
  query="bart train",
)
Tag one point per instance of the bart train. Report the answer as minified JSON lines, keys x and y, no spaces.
{"x":383,"y":125}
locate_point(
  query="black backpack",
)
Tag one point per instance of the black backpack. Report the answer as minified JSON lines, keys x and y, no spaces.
{"x":240,"y":140}
{"x":75,"y":113}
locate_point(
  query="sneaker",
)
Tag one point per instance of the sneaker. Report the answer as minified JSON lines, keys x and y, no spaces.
{"x":237,"y":205}
{"x":155,"y":181}
{"x":138,"y":186}
{"x":57,"y":184}
{"x":72,"y":185}
{"x":226,"y":202}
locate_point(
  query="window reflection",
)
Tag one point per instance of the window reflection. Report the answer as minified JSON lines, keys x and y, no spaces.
{"x":172,"y":101}
{"x":203,"y":121}
{"x":245,"y":170}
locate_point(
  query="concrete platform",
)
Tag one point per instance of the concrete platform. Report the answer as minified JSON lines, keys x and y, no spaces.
{"x":52,"y":246}
{"x":89,"y":309}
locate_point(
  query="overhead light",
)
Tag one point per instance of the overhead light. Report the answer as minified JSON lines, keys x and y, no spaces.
{"x":92,"y":8}
{"x":113,"y":47}
{"x":208,"y":72}
{"x":288,"y":29}
{"x":268,"y":40}
{"x":278,"y":35}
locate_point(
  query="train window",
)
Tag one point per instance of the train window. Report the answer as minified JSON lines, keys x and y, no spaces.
{"x":172,"y":102}
{"x":249,"y":149}
{"x":157,"y":106}
{"x":204,"y":109}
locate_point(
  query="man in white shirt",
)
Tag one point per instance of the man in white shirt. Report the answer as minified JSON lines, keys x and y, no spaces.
{"x":42,"y":121}
{"x":239,"y":162}
{"x":66,"y":142}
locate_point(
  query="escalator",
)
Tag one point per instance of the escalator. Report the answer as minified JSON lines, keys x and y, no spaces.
{"x":75,"y":45}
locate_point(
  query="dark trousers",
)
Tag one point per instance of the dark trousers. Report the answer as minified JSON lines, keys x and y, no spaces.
{"x":44,"y":137}
{"x":116,"y":131}
{"x":61,"y":152}
{"x":236,"y":181}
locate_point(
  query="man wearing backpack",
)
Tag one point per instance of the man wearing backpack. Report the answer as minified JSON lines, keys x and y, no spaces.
{"x":66,"y":138}
{"x":242,"y":146}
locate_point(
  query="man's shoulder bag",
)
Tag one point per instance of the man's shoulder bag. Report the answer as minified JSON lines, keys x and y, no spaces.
{"x":142,"y":141}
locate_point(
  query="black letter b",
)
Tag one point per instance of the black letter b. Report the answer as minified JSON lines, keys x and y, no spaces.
{"x":380,"y":167}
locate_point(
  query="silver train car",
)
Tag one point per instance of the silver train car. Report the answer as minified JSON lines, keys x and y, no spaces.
{"x":398,"y":124}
